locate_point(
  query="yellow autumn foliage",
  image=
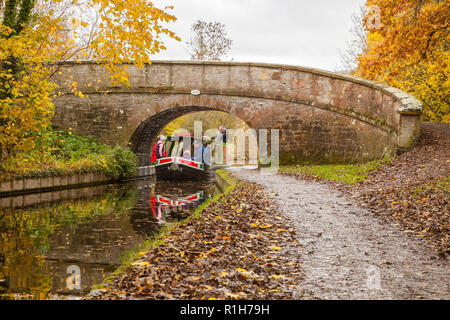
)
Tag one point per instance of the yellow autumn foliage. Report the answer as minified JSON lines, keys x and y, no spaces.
{"x":409,"y":49}
{"x":127,"y":31}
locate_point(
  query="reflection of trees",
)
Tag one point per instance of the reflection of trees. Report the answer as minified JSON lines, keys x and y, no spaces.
{"x":23,"y":265}
{"x":26,"y":235}
{"x":38,"y":244}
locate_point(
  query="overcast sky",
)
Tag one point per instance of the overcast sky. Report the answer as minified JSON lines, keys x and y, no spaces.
{"x":297,"y":32}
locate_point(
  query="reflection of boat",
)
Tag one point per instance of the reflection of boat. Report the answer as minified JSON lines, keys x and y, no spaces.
{"x":194,"y":198}
{"x":176,"y":167}
{"x":189,"y":200}
{"x":161,"y":205}
{"x":164,"y":201}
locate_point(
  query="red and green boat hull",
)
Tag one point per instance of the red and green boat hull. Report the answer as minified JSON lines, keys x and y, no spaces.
{"x":176,"y":168}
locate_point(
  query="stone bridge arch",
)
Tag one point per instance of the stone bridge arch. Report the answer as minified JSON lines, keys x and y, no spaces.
{"x":143,"y":138}
{"x":322,"y":116}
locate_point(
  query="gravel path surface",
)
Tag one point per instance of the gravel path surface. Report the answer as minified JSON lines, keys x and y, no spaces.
{"x":350,"y":253}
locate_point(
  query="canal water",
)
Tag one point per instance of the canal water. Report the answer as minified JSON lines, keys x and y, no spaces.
{"x":59,"y":244}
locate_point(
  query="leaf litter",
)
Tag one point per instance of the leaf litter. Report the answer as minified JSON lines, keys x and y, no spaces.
{"x":239,"y":248}
{"x":412,"y":190}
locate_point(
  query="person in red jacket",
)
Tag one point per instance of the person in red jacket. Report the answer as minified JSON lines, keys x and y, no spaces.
{"x":159,"y":149}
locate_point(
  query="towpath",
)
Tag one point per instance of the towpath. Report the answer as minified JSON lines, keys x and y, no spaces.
{"x":347,"y":252}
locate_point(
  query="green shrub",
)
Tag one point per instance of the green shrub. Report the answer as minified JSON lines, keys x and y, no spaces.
{"x":121,"y":162}
{"x":58,"y":151}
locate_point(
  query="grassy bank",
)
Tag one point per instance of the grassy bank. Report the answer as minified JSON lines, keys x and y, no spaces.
{"x":346,"y":173}
{"x":132,"y":256}
{"x":58,"y":152}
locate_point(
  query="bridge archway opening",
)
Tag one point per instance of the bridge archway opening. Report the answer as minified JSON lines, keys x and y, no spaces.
{"x":147,"y":133}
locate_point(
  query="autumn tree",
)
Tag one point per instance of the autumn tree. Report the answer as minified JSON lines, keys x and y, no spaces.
{"x":35,"y":34}
{"x":209,"y":41}
{"x":410,"y":51}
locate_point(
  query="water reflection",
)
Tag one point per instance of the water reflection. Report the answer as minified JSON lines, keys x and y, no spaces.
{"x":179,"y":207}
{"x":43,"y":242}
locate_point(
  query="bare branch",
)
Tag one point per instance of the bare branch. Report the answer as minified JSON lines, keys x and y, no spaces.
{"x":209,"y":41}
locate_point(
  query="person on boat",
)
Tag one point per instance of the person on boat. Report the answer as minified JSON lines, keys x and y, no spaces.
{"x":187,"y":154}
{"x":220,"y":144}
{"x":225,"y":140}
{"x":160,"y":148}
{"x":206,"y":150}
{"x":202,"y":151}
{"x":197,"y":151}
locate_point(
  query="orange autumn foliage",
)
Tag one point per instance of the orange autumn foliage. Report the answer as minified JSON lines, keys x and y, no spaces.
{"x":408,"y":48}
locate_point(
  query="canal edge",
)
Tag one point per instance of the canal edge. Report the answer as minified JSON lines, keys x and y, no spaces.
{"x":26,"y":185}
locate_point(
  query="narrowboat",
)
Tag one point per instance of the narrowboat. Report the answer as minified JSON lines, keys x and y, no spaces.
{"x":176,"y":167}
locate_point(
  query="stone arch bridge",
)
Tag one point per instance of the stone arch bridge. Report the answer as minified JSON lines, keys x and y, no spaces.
{"x":322,"y":116}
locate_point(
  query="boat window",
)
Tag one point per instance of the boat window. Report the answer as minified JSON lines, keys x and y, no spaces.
{"x":178,"y":149}
{"x":169,"y":147}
